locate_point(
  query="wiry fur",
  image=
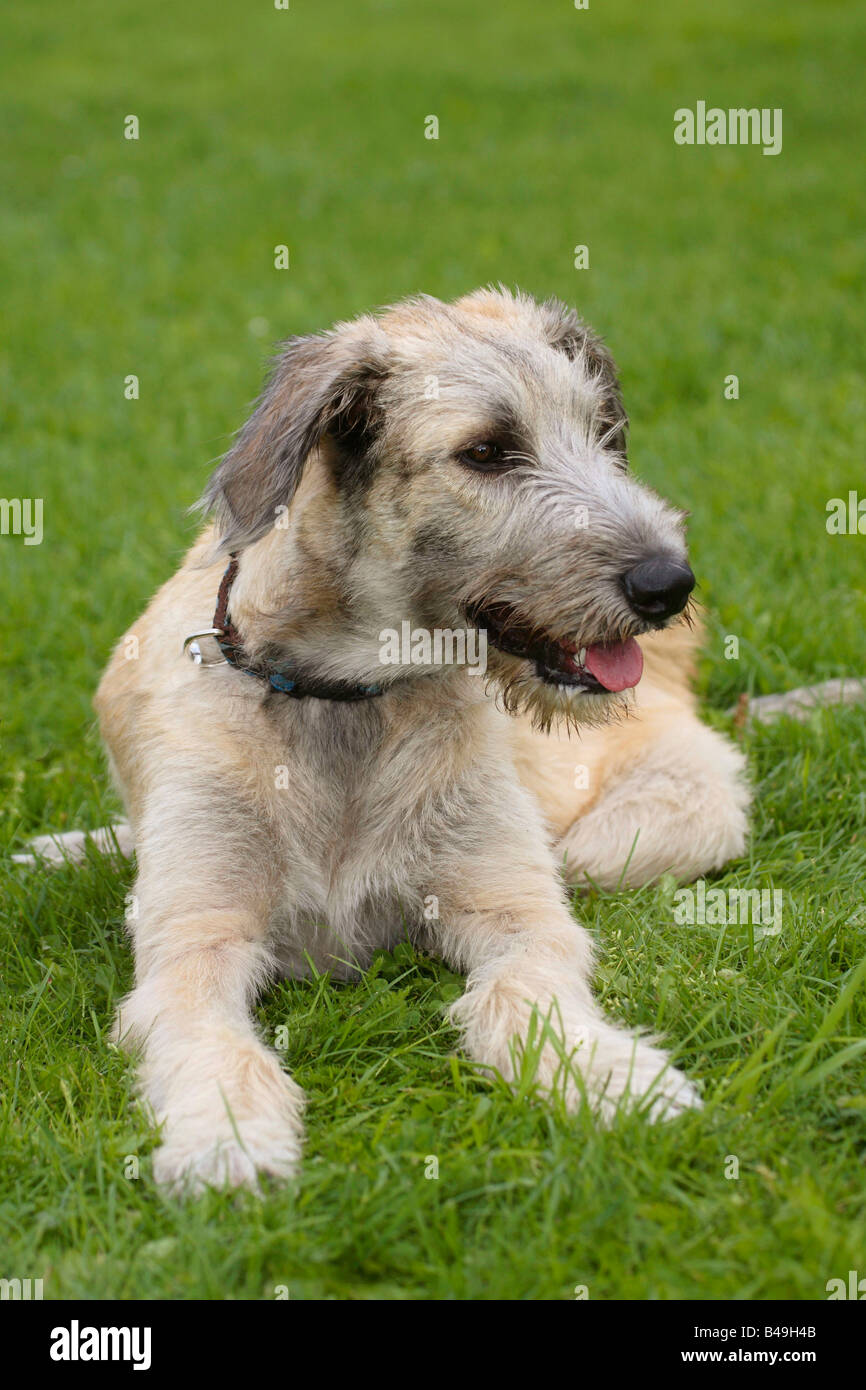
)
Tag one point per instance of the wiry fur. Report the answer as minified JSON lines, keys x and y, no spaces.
{"x":431,"y":791}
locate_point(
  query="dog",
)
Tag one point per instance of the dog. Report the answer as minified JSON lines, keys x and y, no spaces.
{"x":293,"y":799}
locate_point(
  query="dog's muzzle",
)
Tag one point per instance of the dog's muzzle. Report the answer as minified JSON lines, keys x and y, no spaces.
{"x":602,"y":668}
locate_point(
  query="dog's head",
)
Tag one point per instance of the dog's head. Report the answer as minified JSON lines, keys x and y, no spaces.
{"x":473,"y":456}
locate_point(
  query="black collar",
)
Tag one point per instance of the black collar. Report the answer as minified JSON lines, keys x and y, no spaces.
{"x":282,"y":678}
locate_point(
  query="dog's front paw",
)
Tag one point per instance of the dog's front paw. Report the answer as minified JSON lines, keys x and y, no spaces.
{"x":627,"y":1073}
{"x":669,"y":1094}
{"x":585,"y":1059}
{"x":230,"y":1132}
{"x":187,"y":1162}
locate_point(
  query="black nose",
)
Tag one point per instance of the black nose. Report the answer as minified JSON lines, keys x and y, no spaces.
{"x":659,"y":587}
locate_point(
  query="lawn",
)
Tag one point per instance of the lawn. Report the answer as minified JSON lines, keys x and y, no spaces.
{"x":155,"y":258}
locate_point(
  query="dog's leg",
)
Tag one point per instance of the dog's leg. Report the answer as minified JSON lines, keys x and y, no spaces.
{"x":676,"y":801}
{"x":506,"y":922}
{"x":228,"y":1110}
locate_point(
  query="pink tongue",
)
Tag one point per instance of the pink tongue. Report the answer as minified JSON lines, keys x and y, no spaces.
{"x":617,"y":667}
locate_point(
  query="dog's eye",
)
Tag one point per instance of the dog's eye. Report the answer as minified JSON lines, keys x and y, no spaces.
{"x":484,"y":458}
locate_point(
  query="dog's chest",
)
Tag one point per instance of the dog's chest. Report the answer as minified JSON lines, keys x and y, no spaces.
{"x":359,"y":822}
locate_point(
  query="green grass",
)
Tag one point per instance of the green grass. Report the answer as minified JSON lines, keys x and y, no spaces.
{"x":156,"y":258}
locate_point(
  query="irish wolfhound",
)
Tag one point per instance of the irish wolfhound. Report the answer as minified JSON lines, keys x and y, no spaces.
{"x":295,"y":796}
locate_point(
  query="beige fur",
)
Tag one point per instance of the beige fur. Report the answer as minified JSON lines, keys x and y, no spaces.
{"x":270,"y":830}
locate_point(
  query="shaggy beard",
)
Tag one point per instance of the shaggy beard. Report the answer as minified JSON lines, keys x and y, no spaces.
{"x":519,"y":691}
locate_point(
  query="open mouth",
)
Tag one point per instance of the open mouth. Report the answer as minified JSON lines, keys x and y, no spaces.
{"x":602,"y":668}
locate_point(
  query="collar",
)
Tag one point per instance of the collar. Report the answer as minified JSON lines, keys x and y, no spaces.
{"x":282,"y":678}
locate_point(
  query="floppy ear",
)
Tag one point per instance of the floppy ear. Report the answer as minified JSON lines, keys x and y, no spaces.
{"x":324,"y":383}
{"x":568,"y":333}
